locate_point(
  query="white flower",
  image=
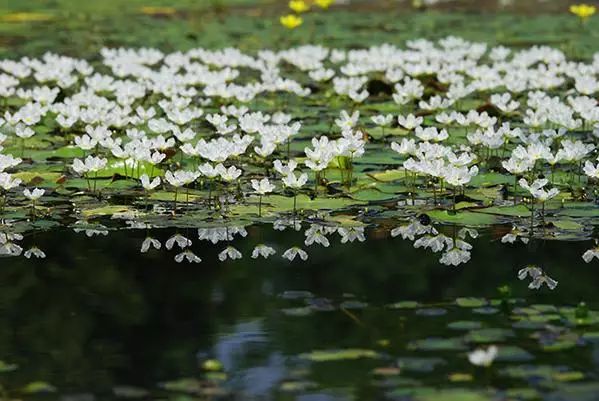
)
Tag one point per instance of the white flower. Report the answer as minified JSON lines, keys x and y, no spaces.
{"x":147,"y":184}
{"x":410,"y":121}
{"x":263,"y":250}
{"x":263,"y":186}
{"x":7,"y":182}
{"x":295,"y":182}
{"x":482,"y":357}
{"x":346,"y":121}
{"x":180,"y":177}
{"x":591,"y":170}
{"x":90,"y":165}
{"x":291,"y":253}
{"x":207,"y":170}
{"x":24,"y":132}
{"x":285,"y":169}
{"x":8,"y":161}
{"x":33,"y":195}
{"x":382,"y":120}
{"x":229,"y":252}
{"x":228,"y":174}
{"x":537,"y":191}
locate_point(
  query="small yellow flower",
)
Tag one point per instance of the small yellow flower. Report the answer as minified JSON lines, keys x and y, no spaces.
{"x":324,"y":3}
{"x":26,"y":17}
{"x":291,"y":21}
{"x":583,"y":11}
{"x":299,"y":6}
{"x":158,"y":11}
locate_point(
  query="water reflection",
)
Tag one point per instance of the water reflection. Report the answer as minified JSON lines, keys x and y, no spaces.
{"x":124,"y":315}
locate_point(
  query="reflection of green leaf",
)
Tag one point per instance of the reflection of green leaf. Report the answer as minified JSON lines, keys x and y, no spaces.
{"x":464,"y":325}
{"x":7,"y":367}
{"x":489,"y":335}
{"x":568,"y":376}
{"x":339,"y":355}
{"x":419,"y":364}
{"x":438,"y":344}
{"x":404,"y":305}
{"x":432,"y":394}
{"x":512,"y":353}
{"x":471,"y":302}
{"x":38,"y":387}
{"x":184,"y":385}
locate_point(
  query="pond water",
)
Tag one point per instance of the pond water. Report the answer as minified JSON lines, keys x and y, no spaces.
{"x":428,"y":231}
{"x":378,"y":319}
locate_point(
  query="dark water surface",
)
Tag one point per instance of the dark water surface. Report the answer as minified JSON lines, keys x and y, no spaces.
{"x":96,"y":315}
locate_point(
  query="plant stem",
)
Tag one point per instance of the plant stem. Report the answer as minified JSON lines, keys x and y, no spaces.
{"x":454,"y":200}
{"x":294,"y":202}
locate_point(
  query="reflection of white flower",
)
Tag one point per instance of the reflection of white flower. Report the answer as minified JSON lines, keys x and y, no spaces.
{"x":189,"y":255}
{"x":8,"y":237}
{"x":34,"y":251}
{"x":291,"y":253}
{"x":411,"y":230}
{"x":229,"y":252}
{"x":590,"y":254}
{"x":145,"y":246}
{"x":263,"y":250}
{"x":316,"y":234}
{"x":436,"y":243}
{"x":514,"y":236}
{"x":455,"y":257}
{"x":281,"y":225}
{"x":467,"y":231}
{"x":482,"y":357}
{"x":538,"y":276}
{"x":540,"y":280}
{"x":10,"y":249}
{"x":179,"y":239}
{"x":530,"y":271}
{"x":217,"y":234}
{"x":96,"y":229}
{"x":350,"y":234}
